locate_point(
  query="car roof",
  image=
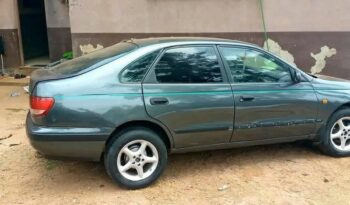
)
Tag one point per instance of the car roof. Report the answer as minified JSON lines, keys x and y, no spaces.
{"x":186,"y":40}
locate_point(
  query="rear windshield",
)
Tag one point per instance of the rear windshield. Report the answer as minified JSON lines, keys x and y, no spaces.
{"x":94,"y":59}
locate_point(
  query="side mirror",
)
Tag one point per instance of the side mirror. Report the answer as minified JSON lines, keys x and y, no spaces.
{"x":297,"y":77}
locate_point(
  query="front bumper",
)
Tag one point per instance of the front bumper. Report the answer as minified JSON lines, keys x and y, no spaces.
{"x":62,"y":142}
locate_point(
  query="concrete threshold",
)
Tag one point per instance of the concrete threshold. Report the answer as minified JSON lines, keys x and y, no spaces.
{"x":10,"y":81}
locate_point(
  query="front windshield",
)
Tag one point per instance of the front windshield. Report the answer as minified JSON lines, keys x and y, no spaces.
{"x":98,"y":57}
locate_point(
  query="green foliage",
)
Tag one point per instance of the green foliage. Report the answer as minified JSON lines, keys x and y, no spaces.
{"x":68,"y":55}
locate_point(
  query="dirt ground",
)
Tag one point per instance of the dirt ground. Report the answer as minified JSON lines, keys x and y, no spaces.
{"x":292,"y":173}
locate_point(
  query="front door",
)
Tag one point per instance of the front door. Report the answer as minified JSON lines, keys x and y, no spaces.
{"x":188,"y":91}
{"x":268,"y":103}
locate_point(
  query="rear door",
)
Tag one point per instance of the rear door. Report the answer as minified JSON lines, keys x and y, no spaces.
{"x":187,"y":90}
{"x":268,"y":103}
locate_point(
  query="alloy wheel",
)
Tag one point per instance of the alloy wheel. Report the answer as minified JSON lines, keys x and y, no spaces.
{"x":137,"y":160}
{"x":340,"y":134}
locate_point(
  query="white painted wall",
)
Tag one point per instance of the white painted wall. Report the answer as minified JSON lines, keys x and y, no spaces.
{"x":178,"y":16}
{"x":8,"y":14}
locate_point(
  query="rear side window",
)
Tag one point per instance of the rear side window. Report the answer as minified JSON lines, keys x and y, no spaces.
{"x":189,"y":65}
{"x":94,"y":59}
{"x":135,"y":72}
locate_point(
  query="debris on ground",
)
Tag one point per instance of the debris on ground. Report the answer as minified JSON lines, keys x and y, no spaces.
{"x":8,"y":136}
{"x":15,"y":109}
{"x":19,"y":76}
{"x":14,"y":144}
{"x":38,"y":155}
{"x":15,"y":94}
{"x":50,"y":164}
{"x":325,"y":180}
{"x":223,"y":188}
{"x":26,"y":88}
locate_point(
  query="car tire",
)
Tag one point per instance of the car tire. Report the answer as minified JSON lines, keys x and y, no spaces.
{"x":135,"y":158}
{"x":333,"y":138}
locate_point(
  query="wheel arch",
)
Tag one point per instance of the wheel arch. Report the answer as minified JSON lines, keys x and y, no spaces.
{"x":341,"y":107}
{"x":159,"y":129}
{"x":322,"y":128}
{"x":323,"y":141}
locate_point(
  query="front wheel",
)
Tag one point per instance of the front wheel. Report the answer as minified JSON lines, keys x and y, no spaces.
{"x":335,"y":140}
{"x":136,"y":158}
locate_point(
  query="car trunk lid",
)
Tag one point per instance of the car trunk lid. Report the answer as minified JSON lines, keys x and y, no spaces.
{"x":42,"y":75}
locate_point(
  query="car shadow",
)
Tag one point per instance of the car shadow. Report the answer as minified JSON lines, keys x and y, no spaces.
{"x":241,"y":157}
{"x":181,"y":166}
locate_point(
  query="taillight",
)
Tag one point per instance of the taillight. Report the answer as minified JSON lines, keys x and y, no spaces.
{"x":40,"y":106}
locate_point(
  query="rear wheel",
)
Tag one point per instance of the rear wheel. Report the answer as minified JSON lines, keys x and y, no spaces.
{"x":336,"y":138}
{"x":136,"y":158}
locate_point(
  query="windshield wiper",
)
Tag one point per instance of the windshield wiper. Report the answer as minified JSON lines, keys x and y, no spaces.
{"x":312,"y":75}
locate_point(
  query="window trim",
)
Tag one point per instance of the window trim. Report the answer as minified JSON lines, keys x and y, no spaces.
{"x":138,"y":58}
{"x":151,"y":76}
{"x":246,"y":48}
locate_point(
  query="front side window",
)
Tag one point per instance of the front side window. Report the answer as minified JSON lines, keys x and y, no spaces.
{"x":249,"y":66}
{"x":189,"y":65}
{"x":135,"y":72}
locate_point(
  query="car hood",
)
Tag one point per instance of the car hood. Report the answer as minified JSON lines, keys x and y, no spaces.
{"x":329,"y":82}
{"x":330,"y":78}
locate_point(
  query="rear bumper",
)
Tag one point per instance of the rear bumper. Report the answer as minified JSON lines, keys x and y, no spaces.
{"x":72,"y":143}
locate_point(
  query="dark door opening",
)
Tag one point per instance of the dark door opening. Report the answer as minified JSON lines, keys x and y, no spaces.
{"x":33,"y":32}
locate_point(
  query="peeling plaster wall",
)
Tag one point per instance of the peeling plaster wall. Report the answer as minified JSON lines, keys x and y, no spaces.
{"x":320,"y":58}
{"x":85,"y":49}
{"x":302,"y":44}
{"x":275,"y":48}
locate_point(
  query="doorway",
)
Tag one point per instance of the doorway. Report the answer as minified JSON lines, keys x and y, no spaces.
{"x":33,"y":32}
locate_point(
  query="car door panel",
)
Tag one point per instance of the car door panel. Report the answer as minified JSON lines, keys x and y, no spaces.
{"x":277,"y":111}
{"x":268,"y":102}
{"x":195,"y":114}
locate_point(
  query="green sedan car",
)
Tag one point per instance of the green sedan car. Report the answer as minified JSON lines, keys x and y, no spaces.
{"x":133,"y":103}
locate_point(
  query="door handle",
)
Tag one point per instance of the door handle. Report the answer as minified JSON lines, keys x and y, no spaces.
{"x":245,"y":98}
{"x":159,"y":101}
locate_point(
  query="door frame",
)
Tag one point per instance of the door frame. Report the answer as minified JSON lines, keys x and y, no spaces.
{"x":304,"y":80}
{"x":150,"y":79}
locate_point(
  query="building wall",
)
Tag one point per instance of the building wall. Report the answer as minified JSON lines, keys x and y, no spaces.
{"x":300,"y":27}
{"x":58,"y":28}
{"x":9,"y":32}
